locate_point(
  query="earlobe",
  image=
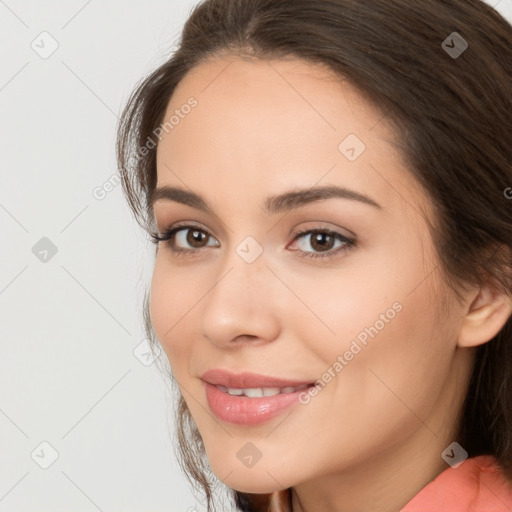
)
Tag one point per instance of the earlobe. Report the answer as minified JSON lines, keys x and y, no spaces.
{"x":486,"y":316}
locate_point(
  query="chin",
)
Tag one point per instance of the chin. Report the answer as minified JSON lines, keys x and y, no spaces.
{"x":253,"y":486}
{"x":255,"y":480}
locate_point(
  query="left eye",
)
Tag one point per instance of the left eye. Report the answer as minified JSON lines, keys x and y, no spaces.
{"x":322,"y":241}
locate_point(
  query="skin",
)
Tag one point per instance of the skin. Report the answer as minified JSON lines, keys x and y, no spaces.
{"x":373,"y":437}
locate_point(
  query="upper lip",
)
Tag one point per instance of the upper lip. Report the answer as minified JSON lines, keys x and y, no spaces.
{"x":246,"y":380}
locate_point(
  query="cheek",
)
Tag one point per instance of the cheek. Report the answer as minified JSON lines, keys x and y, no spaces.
{"x":384,"y":316}
{"x":172,"y":300}
{"x":361,"y":301}
{"x":390,"y":379}
{"x":395,"y":359}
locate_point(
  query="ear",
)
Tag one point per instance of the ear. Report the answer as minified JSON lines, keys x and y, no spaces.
{"x":486,"y":316}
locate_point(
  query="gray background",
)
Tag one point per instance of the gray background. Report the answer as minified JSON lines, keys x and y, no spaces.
{"x":73,"y":369}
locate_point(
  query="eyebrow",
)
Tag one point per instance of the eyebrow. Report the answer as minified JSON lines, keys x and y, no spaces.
{"x":275,"y":204}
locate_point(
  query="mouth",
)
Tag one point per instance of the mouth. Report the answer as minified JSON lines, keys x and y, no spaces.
{"x":261,"y":392}
{"x":248,"y":398}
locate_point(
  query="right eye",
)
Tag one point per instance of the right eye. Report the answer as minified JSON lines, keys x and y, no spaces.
{"x":177,"y":238}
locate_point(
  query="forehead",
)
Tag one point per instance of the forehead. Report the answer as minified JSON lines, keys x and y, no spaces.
{"x":264,"y":97}
{"x":266,"y":124}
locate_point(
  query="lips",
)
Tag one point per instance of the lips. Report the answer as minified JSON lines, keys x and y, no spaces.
{"x":248,"y":380}
{"x":248,"y":398}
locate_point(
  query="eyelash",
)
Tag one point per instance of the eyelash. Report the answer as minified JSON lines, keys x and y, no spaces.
{"x":168,"y":236}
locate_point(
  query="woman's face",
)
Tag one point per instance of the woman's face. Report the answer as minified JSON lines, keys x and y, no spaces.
{"x":355,"y":304}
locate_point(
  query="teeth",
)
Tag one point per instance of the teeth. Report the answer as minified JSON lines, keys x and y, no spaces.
{"x":270,"y":391}
{"x":260,"y":392}
{"x":253,"y":392}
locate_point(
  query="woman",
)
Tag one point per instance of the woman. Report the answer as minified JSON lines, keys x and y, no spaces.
{"x":327,"y":183}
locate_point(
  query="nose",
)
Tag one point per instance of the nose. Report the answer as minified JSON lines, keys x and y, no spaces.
{"x":241,"y":305}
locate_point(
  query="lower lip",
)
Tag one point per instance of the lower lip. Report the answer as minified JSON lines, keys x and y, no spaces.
{"x":242,"y":410}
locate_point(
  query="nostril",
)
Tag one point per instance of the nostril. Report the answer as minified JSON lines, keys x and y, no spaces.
{"x":246,"y":337}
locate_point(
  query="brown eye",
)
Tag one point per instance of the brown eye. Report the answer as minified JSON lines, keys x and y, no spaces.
{"x":185,"y":239}
{"x":195,"y":237}
{"x":322,"y":241}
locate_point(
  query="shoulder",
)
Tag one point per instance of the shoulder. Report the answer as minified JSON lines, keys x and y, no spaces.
{"x":479,"y":484}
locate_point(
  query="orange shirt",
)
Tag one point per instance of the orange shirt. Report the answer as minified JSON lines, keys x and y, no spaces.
{"x":477,"y":485}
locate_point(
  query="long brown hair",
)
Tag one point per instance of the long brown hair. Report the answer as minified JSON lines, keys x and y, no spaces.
{"x":452,"y":116}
